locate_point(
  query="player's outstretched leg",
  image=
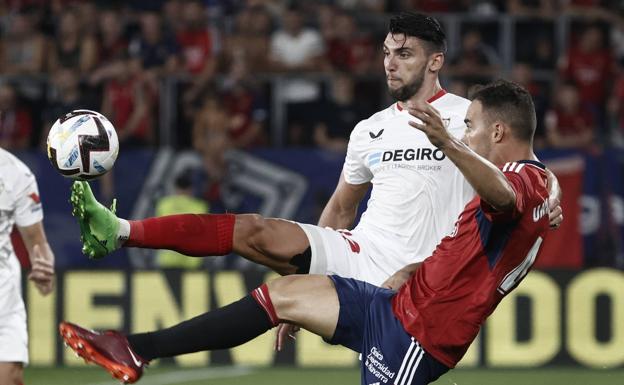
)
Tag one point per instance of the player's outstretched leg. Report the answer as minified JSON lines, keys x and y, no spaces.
{"x":309,"y":301}
{"x":279,"y":244}
{"x":99,"y":227}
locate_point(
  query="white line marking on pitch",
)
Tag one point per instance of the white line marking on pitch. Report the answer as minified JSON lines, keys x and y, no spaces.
{"x":179,"y":376}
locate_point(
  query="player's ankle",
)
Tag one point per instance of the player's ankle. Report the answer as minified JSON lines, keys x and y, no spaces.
{"x":124,"y":231}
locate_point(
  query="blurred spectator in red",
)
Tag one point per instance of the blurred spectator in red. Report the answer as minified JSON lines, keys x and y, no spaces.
{"x":476,"y":62}
{"x":196,"y":39}
{"x":155,"y":49}
{"x":615,"y":108}
{"x":65,"y":96}
{"x":15,"y":122}
{"x":249,"y":40}
{"x":570,"y":124}
{"x":198,"y":48}
{"x":211,"y":136}
{"x":247,"y":117}
{"x":70,"y":47}
{"x":349,"y":49}
{"x":22,"y":47}
{"x":128,"y":102}
{"x":246,"y":109}
{"x":589,"y":64}
{"x":338,"y":116}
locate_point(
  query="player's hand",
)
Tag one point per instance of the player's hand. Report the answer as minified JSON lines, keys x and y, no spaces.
{"x":555,"y":216}
{"x":395,"y":281}
{"x":42,"y":273}
{"x":284,"y":332}
{"x":432,"y":124}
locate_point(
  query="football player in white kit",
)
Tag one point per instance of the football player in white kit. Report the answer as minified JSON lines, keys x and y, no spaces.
{"x":416,"y":191}
{"x":19,"y":205}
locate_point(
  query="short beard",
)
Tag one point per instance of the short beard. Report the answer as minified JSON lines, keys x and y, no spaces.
{"x":404,"y":93}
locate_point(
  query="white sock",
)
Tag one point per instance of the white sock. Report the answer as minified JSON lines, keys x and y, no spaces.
{"x":124,"y":231}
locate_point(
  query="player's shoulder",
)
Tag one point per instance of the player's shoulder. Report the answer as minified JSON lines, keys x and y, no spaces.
{"x":452,"y":103}
{"x":377,"y":121}
{"x":8,"y":160}
{"x":12,"y":168}
{"x":531,"y":172}
{"x":526,"y":166}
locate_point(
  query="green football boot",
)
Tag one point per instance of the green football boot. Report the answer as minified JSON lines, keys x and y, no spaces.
{"x":98,"y":225}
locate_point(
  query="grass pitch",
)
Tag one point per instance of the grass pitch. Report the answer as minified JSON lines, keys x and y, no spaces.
{"x":322,"y":376}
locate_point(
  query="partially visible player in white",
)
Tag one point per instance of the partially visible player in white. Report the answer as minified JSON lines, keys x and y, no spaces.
{"x":20,"y":206}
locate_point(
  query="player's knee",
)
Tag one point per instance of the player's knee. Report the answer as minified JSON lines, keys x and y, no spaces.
{"x":283,"y":296}
{"x":13,"y":375}
{"x":251,"y":228}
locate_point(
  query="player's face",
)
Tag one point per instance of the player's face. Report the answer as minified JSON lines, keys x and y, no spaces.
{"x":478,"y":130}
{"x":405,"y":63}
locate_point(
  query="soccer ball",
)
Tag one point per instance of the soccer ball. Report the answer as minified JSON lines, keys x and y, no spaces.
{"x":82,"y":144}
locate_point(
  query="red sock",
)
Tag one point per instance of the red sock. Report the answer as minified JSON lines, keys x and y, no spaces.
{"x":190,"y":234}
{"x":261,"y":295}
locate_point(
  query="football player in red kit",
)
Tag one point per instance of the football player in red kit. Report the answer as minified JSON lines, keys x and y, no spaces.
{"x":418,"y":333}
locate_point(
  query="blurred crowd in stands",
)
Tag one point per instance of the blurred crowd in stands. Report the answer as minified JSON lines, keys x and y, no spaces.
{"x":233,"y":63}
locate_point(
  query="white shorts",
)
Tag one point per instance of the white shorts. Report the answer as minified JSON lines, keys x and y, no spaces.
{"x":13,"y":333}
{"x":346,"y":253}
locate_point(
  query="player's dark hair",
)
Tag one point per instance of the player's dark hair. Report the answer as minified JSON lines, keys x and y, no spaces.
{"x":511,"y":104}
{"x":420,"y":26}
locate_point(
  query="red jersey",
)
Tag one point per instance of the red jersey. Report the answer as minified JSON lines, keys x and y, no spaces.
{"x":445,"y":302}
{"x":572,"y":123}
{"x":197,"y":47}
{"x":592,"y":72}
{"x":122,"y":98}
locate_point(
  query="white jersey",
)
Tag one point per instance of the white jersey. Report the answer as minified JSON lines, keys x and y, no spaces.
{"x":19,"y":204}
{"x":19,"y":200}
{"x":417,"y":191}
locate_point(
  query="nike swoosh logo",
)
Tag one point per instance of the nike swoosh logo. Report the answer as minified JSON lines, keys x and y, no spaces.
{"x":136,"y":361}
{"x":375,"y":136}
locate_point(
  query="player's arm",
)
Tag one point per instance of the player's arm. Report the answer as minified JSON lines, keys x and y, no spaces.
{"x":396,"y":280}
{"x":555,"y":216}
{"x":41,"y":256}
{"x":340,"y":211}
{"x":488,"y":181}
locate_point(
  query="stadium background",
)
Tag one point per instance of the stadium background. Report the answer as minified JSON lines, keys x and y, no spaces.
{"x":234,"y":100}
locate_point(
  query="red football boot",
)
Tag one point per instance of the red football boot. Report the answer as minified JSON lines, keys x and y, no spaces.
{"x":109,"y":349}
